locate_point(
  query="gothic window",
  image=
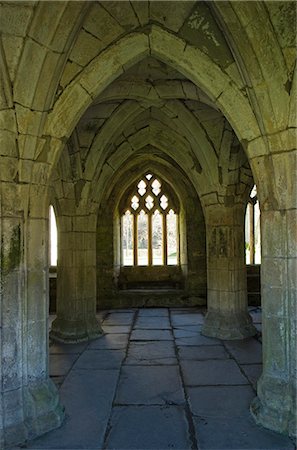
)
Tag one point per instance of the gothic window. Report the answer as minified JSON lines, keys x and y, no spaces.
{"x":149,"y":224}
{"x":252,"y":230}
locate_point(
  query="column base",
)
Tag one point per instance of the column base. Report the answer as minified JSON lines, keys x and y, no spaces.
{"x":71,"y":332}
{"x":231,"y":325}
{"x":275,"y":406}
{"x":31,"y":411}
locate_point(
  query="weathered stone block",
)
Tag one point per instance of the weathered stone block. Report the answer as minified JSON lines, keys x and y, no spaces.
{"x":12,"y":47}
{"x":139,"y":386}
{"x":172,"y":433}
{"x":8,"y":144}
{"x":28,"y":74}
{"x":15,"y":18}
{"x":109,"y":65}
{"x":60,"y":124}
{"x":87,"y":48}
{"x":124,"y":15}
{"x":8,"y":121}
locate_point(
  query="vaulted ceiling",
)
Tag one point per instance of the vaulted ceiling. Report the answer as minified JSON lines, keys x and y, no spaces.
{"x":90,"y":85}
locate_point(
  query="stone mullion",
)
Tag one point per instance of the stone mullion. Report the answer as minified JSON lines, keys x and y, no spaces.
{"x":135,"y":239}
{"x":227,"y":316}
{"x":164,"y":221}
{"x":150,"y":240}
{"x":177,"y":219}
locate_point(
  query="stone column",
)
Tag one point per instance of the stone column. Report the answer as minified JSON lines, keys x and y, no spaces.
{"x":227,"y":314}
{"x":275,"y":406}
{"x":29,"y":401}
{"x":76,"y":280}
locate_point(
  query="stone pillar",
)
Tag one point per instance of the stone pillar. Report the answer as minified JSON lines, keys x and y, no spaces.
{"x":275,"y":406}
{"x":227,"y":314}
{"x":76,"y":280}
{"x":29,"y":401}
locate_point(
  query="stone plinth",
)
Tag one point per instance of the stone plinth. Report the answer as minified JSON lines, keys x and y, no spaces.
{"x":72,"y":331}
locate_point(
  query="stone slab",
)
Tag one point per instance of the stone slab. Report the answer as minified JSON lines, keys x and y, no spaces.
{"x":109,"y":342}
{"x":59,"y":348}
{"x":212,"y":372}
{"x":187,"y":331}
{"x":61,"y":364}
{"x":151,"y":335}
{"x":253,"y":372}
{"x":220,"y":401}
{"x":186,"y":310}
{"x":113,"y":329}
{"x":197,"y":339}
{"x":151,"y":352}
{"x":187,"y":319}
{"x":87,"y":397}
{"x":246,"y":351}
{"x":118,"y":319}
{"x":149,"y":385}
{"x":202,"y":352}
{"x":148,"y":428}
{"x":153,"y":312}
{"x":237,"y":433}
{"x":100,"y":359}
{"x":152,"y":323}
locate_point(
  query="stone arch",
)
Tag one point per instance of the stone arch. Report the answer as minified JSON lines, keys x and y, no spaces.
{"x":194,"y":290}
{"x":160,"y":138}
{"x":156,"y":93}
{"x":257,"y":62}
{"x":198,"y":146}
{"x":169,"y":48}
{"x":142,"y":161}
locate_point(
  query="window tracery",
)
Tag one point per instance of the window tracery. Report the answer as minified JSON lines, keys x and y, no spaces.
{"x":149,"y":224}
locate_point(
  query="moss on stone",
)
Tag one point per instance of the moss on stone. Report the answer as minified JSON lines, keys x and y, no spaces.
{"x":13,"y":258}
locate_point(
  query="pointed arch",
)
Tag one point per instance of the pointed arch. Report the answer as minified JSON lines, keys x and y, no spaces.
{"x":167,"y":47}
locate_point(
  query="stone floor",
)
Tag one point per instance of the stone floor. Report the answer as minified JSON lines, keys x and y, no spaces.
{"x":154,"y":382}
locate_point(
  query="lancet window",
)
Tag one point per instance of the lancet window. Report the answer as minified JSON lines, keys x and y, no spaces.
{"x":252,"y":229}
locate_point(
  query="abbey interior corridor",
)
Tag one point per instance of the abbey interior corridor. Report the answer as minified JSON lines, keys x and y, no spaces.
{"x":148,"y":225}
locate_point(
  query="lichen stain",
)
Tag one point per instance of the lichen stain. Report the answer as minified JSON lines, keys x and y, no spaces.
{"x":212,"y":246}
{"x":197,"y":22}
{"x":13,"y":259}
{"x":223,"y":247}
